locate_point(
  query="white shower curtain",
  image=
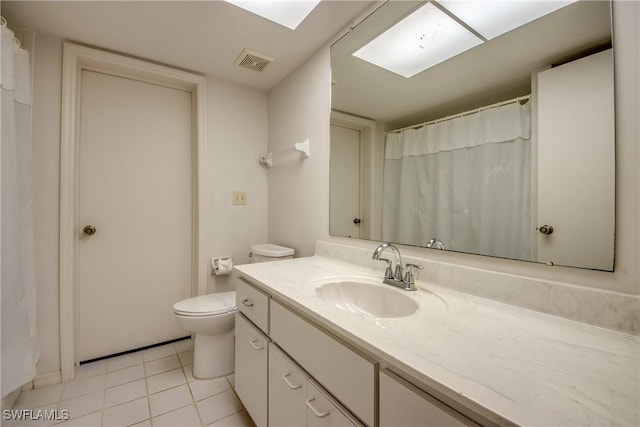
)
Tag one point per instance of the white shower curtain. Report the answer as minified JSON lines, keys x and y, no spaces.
{"x":465,"y":181}
{"x":20,"y":351}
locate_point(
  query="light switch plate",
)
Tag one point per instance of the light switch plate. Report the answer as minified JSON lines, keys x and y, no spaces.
{"x":239,"y":198}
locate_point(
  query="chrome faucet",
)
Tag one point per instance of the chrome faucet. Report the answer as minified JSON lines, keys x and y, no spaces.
{"x":393,"y":276}
{"x":435,"y":243}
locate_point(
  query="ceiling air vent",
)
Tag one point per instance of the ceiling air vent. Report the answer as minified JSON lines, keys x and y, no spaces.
{"x":253,"y":60}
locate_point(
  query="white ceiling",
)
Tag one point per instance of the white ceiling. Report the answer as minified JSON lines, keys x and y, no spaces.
{"x":207,"y":36}
{"x":202,"y":36}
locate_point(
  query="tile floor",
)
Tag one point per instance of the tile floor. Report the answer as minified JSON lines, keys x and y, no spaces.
{"x":153,"y":387}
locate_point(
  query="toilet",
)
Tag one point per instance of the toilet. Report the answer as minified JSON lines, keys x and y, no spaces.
{"x":211,"y":318}
{"x":268,"y":252}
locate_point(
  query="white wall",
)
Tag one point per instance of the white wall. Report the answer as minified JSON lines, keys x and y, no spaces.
{"x":298,"y":210}
{"x":236,"y":134}
{"x":299,"y":108}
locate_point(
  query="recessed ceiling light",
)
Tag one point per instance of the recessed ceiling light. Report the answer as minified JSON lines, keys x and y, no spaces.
{"x":287,"y":13}
{"x":491,"y":18}
{"x":423,"y":39}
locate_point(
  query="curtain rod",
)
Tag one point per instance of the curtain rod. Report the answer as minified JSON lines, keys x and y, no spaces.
{"x":465,"y":113}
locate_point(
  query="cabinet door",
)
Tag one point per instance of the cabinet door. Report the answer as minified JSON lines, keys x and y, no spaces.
{"x":402,"y":404}
{"x":251,"y":369}
{"x":287,"y":391}
{"x":322,"y":411}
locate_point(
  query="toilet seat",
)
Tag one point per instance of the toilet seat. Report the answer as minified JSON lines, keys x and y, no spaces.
{"x":207,"y":305}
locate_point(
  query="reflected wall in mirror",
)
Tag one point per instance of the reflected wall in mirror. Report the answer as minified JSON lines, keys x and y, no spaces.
{"x":506,"y":149}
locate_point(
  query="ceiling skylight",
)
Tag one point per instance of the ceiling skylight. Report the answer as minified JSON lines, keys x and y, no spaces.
{"x":423,"y":39}
{"x":289,"y":13}
{"x":492,"y":18}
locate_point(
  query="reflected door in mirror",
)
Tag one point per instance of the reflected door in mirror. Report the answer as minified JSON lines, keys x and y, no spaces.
{"x":344,"y":219}
{"x":576,"y":182}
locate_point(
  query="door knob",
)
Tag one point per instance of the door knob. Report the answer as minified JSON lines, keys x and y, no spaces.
{"x":89,"y":230}
{"x":356,"y":220}
{"x":546,"y":229}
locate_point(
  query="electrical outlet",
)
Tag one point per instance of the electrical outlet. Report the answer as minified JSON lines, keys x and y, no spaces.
{"x":239,"y":197}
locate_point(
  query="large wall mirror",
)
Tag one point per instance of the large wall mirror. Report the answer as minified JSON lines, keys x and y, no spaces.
{"x":503,"y":146}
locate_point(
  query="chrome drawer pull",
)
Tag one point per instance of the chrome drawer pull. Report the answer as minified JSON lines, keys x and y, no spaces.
{"x":314,"y":410}
{"x":247,"y":303}
{"x":255,"y":347}
{"x":288,"y":383}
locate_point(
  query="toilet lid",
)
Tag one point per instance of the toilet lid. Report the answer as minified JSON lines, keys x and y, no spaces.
{"x":207,"y":305}
{"x":271,"y":251}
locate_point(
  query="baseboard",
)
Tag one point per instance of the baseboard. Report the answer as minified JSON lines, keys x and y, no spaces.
{"x":40,"y":381}
{"x":47,"y":379}
{"x":10,"y":399}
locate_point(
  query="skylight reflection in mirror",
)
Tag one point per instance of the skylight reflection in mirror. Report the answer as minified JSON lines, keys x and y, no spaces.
{"x":423,"y":39}
{"x":429,"y":35}
{"x":491,"y":18}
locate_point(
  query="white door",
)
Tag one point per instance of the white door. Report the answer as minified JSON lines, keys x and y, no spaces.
{"x":576,"y":180}
{"x":135,"y":188}
{"x":344,"y":212}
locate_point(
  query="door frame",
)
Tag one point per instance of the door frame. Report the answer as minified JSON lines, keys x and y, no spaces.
{"x":77,"y":58}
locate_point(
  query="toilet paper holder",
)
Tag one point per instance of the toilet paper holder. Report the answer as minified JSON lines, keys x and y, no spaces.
{"x":222,"y":265}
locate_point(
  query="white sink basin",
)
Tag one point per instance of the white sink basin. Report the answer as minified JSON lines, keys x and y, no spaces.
{"x":367,"y":299}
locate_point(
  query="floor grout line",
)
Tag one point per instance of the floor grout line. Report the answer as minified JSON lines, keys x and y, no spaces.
{"x":183,"y":365}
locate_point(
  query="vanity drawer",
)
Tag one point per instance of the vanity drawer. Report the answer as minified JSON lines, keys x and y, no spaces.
{"x":403,"y":404}
{"x":350,"y":377}
{"x":254,"y":304}
{"x":296,"y":400}
{"x":287,"y":391}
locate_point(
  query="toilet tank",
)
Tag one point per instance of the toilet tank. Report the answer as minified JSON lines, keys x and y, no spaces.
{"x":268,"y":252}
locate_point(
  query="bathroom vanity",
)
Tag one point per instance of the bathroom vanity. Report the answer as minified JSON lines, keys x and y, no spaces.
{"x":304,"y":357}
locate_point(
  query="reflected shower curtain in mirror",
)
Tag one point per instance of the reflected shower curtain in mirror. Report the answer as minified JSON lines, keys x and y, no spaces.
{"x":20,"y":351}
{"x":465,"y":180}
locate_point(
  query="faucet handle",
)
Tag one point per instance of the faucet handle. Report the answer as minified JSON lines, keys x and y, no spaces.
{"x":408,"y":277}
{"x":388,"y":273}
{"x":397,"y":275}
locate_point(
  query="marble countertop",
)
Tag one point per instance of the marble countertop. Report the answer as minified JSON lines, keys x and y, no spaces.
{"x":509,"y":365}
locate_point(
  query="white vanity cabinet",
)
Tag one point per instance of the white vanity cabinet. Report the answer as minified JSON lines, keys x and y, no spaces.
{"x":349,"y":376}
{"x":251,"y":376}
{"x":252,"y":327}
{"x":292,"y":372}
{"x":295,"y":400}
{"x":403,"y":404}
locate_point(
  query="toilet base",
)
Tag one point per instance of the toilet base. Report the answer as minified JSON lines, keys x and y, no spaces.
{"x":213,"y":355}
